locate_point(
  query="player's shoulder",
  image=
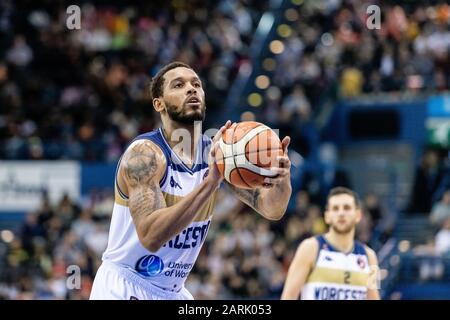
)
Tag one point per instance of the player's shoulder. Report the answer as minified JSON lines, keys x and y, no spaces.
{"x":307,"y":252}
{"x":145,"y":157}
{"x":144,"y":148}
{"x":152,"y":142}
{"x":143,"y":145}
{"x":309,"y":245}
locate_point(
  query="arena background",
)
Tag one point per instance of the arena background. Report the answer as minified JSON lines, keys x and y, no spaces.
{"x":367,"y":106}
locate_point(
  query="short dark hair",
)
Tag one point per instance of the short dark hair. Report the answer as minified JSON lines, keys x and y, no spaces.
{"x":157,"y":82}
{"x":343,"y":190}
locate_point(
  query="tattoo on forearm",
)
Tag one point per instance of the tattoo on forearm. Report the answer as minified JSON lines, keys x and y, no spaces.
{"x":145,"y":200}
{"x":280,"y":187}
{"x":250,"y":197}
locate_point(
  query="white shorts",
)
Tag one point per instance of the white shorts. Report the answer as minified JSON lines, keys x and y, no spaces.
{"x":113,"y":282}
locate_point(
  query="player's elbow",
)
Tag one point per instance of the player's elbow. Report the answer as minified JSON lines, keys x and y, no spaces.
{"x":290,"y":294}
{"x":281,"y":208}
{"x":150,"y":242}
{"x":152,"y":245}
{"x":288,"y":297}
{"x":275,"y":215}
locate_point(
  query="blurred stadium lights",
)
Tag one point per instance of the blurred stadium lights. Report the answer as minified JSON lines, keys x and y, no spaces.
{"x":274,"y":24}
{"x":254,"y":99}
{"x":262,"y":82}
{"x":284,"y":30}
{"x":248,"y":116}
{"x":269,"y":64}
{"x":291,"y":15}
{"x":7,"y":236}
{"x":276,"y":46}
{"x":238,"y":90}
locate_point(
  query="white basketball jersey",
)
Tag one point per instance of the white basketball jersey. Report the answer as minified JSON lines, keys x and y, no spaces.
{"x":168,"y":267}
{"x":338,"y":276}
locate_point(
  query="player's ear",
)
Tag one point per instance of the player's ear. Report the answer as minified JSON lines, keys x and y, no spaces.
{"x":358,"y":215}
{"x":158,"y":104}
{"x":326,"y":216}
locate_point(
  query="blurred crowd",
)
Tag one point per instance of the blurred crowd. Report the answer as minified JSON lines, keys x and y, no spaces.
{"x":245,"y":256}
{"x":82,"y":94}
{"x":35,"y":262}
{"x":330,"y":48}
{"x":429,"y":260}
{"x":438,"y":242}
{"x":330,"y":54}
{"x":426,"y":255}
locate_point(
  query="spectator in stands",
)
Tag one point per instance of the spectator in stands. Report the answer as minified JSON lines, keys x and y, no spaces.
{"x":84,"y":226}
{"x":87,"y":116}
{"x":31,"y":229}
{"x":67,"y":210}
{"x":426,"y":181}
{"x":317,"y":222}
{"x":302,"y":203}
{"x":442,"y":241}
{"x":441,"y":210}
{"x":373,"y":208}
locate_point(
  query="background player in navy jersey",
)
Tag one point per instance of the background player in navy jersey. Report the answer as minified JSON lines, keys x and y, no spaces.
{"x":334,"y":266}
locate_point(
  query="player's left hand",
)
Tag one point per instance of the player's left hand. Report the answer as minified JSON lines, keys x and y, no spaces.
{"x":284,"y":169}
{"x":213,"y":173}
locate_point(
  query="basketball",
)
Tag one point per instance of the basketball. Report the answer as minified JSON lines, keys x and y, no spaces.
{"x":247,"y":150}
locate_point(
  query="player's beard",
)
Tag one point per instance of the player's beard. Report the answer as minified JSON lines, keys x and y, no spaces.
{"x":343,"y":230}
{"x":184,"y":117}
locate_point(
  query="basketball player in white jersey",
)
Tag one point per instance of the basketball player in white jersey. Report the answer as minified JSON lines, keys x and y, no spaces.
{"x":164,"y":198}
{"x":334,"y":266}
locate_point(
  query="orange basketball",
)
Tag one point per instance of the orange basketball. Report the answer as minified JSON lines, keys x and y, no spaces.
{"x":247,"y":150}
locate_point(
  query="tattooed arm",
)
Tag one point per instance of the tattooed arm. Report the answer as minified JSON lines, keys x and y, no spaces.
{"x":300,"y":268}
{"x":140,"y":171}
{"x":272,"y":200}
